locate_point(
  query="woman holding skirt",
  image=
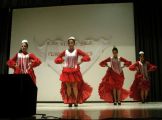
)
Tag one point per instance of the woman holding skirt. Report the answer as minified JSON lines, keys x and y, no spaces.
{"x":141,"y":84}
{"x":73,"y":89}
{"x":111,"y":87}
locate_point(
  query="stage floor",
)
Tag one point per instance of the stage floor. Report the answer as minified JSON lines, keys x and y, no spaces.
{"x":130,"y":110}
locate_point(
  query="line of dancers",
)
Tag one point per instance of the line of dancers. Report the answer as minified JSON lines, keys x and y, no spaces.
{"x":75,"y":90}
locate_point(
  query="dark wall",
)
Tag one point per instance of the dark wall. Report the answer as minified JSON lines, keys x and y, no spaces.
{"x":5,"y":33}
{"x":148,"y":31}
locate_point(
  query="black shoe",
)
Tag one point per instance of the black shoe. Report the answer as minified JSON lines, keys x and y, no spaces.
{"x":76,"y":105}
{"x":70,"y":105}
{"x":119,"y":103}
{"x":115,"y":103}
{"x":143,"y":101}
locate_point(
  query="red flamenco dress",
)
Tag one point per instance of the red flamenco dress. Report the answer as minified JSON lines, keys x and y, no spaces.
{"x":142,"y":80}
{"x":23,"y":63}
{"x":114,"y":78}
{"x":71,"y":73}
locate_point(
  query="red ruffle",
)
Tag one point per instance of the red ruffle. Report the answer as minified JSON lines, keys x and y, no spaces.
{"x":71,"y":75}
{"x":59,"y":60}
{"x":112,"y":80}
{"x":85,"y":59}
{"x":137,"y":86}
{"x":35,"y":63}
{"x":103,"y":64}
{"x":11,"y":64}
{"x":84,"y":90}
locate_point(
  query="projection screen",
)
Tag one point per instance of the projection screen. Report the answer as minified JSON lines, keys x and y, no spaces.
{"x":97,"y":28}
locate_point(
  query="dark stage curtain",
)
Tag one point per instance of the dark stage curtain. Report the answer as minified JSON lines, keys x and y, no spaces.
{"x":148,"y":37}
{"x":5,"y":33}
{"x":41,"y":3}
{"x":148,"y":31}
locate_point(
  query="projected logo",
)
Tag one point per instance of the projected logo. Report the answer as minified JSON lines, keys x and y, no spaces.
{"x":49,"y":49}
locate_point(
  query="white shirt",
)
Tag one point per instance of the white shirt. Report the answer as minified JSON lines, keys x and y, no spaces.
{"x":71,"y":59}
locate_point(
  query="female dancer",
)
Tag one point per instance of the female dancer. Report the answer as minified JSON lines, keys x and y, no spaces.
{"x":141,"y":84}
{"x":73,"y":90}
{"x":24,"y":62}
{"x":110,"y":89}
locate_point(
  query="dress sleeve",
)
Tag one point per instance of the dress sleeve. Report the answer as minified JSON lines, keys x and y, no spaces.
{"x":133,"y":67}
{"x":104,"y":62}
{"x":34,"y":60}
{"x":12,"y":62}
{"x":126,"y":62}
{"x":151,"y":67}
{"x":85,"y":57}
{"x":59,"y":59}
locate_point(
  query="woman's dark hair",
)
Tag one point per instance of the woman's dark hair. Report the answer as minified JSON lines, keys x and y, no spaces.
{"x":20,"y":51}
{"x":72,"y":40}
{"x":115,"y":49}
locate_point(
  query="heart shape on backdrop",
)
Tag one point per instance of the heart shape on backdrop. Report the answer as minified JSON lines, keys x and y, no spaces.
{"x":49,"y":49}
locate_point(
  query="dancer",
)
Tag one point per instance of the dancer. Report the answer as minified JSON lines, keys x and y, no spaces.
{"x":110,"y":89}
{"x":73,"y":90}
{"x":141,"y":84}
{"x":24,"y":62}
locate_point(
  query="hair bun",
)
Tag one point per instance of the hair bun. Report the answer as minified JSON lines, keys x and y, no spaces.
{"x":115,"y":48}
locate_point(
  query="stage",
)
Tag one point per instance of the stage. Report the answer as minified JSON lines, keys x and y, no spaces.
{"x":128,"y":110}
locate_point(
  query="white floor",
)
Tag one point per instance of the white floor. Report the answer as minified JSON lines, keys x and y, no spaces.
{"x":101,"y":106}
{"x":98,"y":110}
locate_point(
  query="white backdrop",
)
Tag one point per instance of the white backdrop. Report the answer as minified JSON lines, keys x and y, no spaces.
{"x":97,"y":29}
